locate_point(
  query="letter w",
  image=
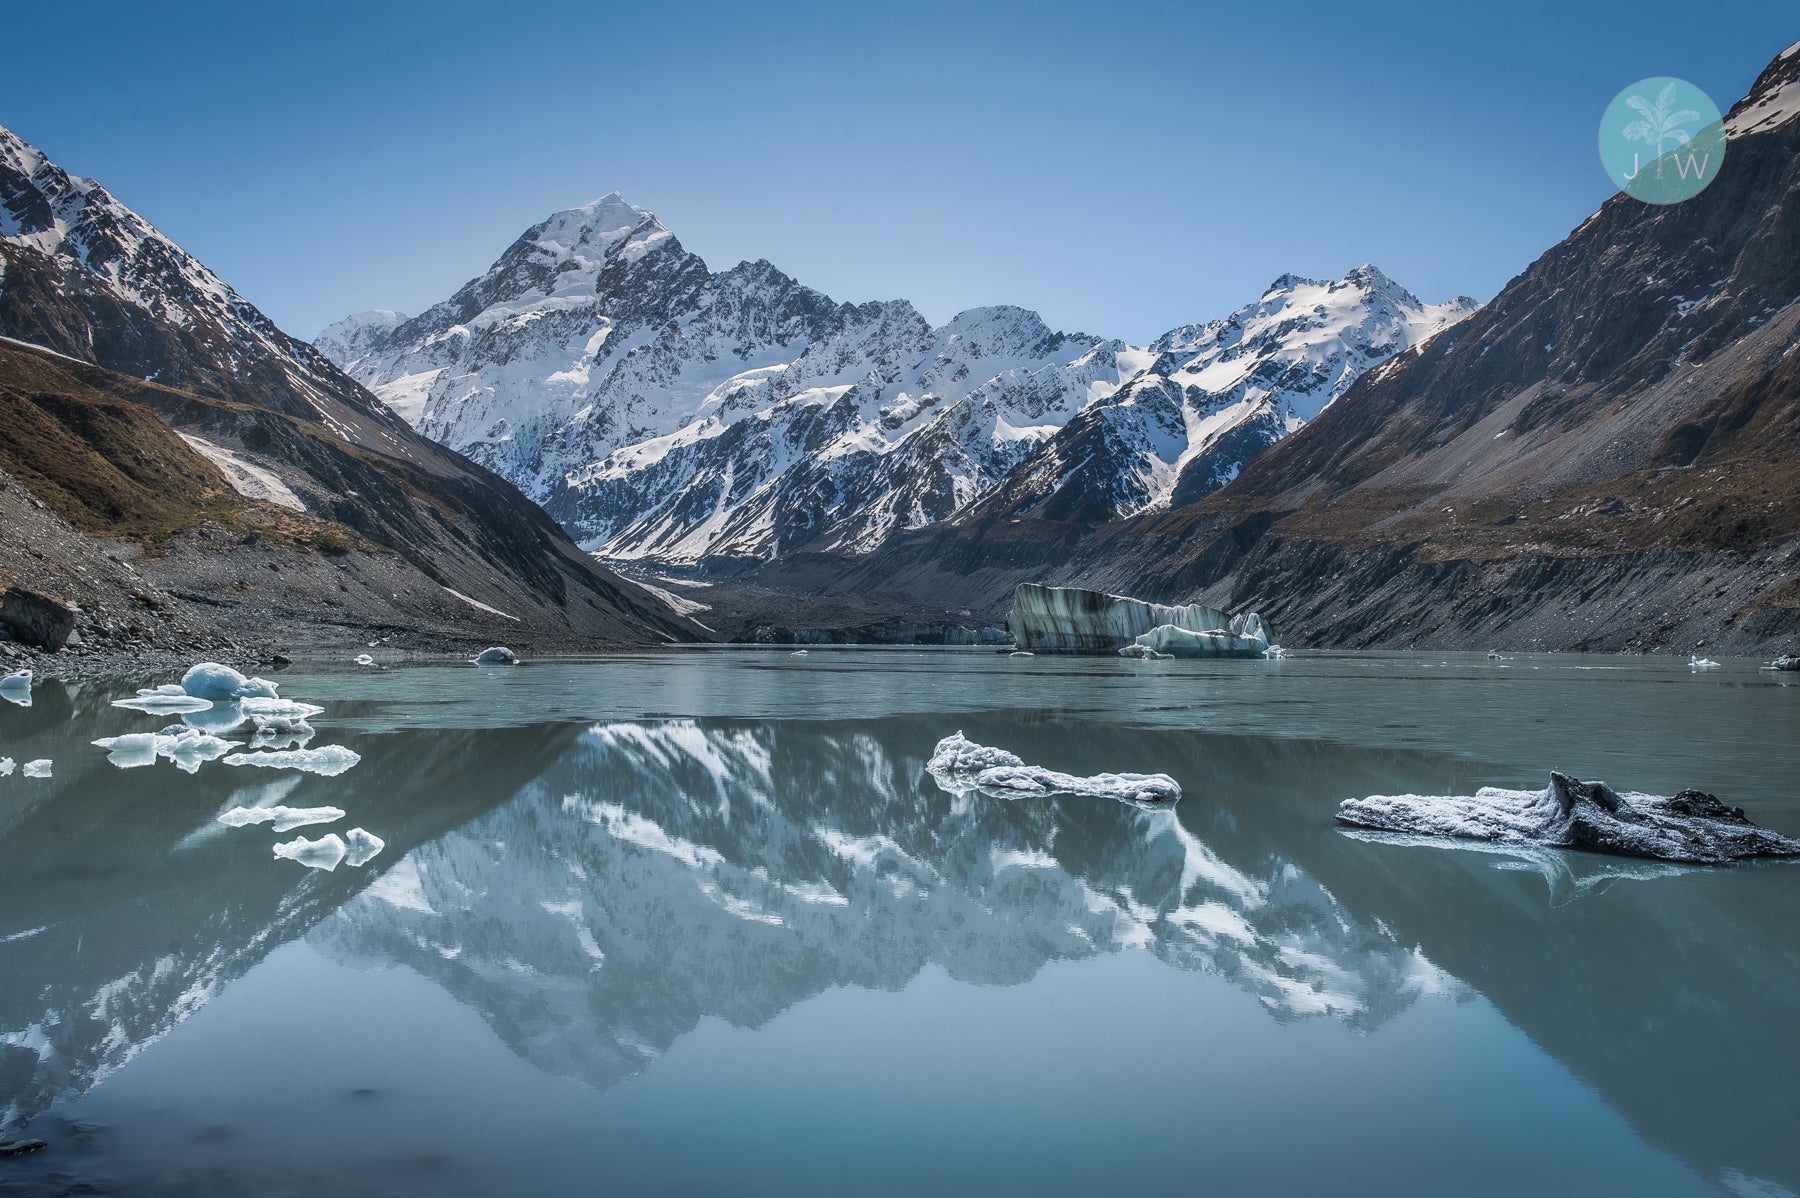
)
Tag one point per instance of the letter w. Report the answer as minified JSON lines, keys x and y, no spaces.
{"x":1682,"y":168}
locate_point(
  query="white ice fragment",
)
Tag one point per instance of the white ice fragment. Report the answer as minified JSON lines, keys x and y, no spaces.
{"x":37,"y":769}
{"x":210,"y":680}
{"x":497,"y":655}
{"x":283,"y":818}
{"x":167,"y":699}
{"x":18,"y":680}
{"x":1029,"y":653}
{"x":798,"y":653}
{"x":960,"y":766}
{"x":188,"y":748}
{"x":328,"y":761}
{"x":363,"y":659}
{"x":260,"y":708}
{"x":362,"y":846}
{"x":1701,"y":663}
{"x":130,"y":751}
{"x":7,"y":765}
{"x":325,"y":853}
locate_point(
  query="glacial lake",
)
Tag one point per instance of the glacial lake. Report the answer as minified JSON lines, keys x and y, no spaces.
{"x":701,"y":923}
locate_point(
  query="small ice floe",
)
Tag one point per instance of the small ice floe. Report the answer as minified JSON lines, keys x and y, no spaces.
{"x":362,"y":846}
{"x":1029,"y":653}
{"x":168,"y":699}
{"x":326,"y":853}
{"x":7,"y":766}
{"x":959,"y":765}
{"x":1570,"y":814}
{"x":259,"y":709}
{"x":1784,"y":662}
{"x":283,"y":818}
{"x":798,"y":653}
{"x":189,"y":748}
{"x":1701,"y":663}
{"x":18,"y":680}
{"x":363,"y":659}
{"x":328,"y":761}
{"x":496,"y":655}
{"x":1495,"y":655}
{"x":210,"y":680}
{"x":1142,"y":652}
{"x":37,"y":769}
{"x":1276,"y":653}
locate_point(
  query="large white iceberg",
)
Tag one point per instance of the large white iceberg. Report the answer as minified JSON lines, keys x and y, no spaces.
{"x":210,"y":680}
{"x":281,"y":818}
{"x":1570,"y":814}
{"x":329,"y":761}
{"x":1076,"y":620}
{"x":960,"y":766}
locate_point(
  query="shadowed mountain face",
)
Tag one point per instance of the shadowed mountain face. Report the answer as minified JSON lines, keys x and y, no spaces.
{"x":1602,"y":457}
{"x":138,"y":323}
{"x":595,"y":892}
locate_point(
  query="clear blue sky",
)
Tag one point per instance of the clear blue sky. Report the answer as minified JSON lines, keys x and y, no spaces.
{"x":1121,"y":168}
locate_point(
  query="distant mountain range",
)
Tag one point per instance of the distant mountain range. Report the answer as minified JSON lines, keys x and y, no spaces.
{"x":290,"y":497}
{"x":666,"y":412}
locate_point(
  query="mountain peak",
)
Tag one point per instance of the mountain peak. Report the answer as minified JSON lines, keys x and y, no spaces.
{"x":1773,"y":100}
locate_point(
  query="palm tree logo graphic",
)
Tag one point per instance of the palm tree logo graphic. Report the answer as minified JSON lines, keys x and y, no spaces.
{"x":1660,"y":123}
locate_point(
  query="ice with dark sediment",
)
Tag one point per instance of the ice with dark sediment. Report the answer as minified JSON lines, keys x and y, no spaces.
{"x":1076,"y":620}
{"x":281,"y":818}
{"x":1691,"y":826}
{"x":961,"y":766}
{"x":1784,"y":662}
{"x":328,"y":761}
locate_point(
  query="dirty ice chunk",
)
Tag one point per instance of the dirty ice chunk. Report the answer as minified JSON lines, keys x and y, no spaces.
{"x":283,"y":818}
{"x":325,"y":853}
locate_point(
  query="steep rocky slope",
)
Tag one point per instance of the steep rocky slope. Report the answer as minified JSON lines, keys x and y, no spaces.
{"x":104,"y":302}
{"x":1605,"y":456}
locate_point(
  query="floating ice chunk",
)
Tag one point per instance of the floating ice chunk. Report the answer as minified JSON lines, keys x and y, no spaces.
{"x":1021,"y":653}
{"x":363,"y":659}
{"x":37,"y":769}
{"x":798,"y":653}
{"x":18,"y":680}
{"x":167,"y":699}
{"x":328,"y":761}
{"x":284,"y":819}
{"x":1075,"y":620}
{"x":260,"y":708}
{"x":362,"y":846}
{"x":1784,"y":662}
{"x":189,"y":748}
{"x":1701,"y":663}
{"x":210,"y":680}
{"x":130,"y":751}
{"x":960,"y":766}
{"x":957,"y":754}
{"x":1144,"y":652}
{"x":7,"y":765}
{"x":1571,"y":814}
{"x":1009,"y":781}
{"x":497,"y":655}
{"x":1276,"y":653}
{"x":326,"y":853}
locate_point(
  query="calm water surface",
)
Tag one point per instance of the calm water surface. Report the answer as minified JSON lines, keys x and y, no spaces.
{"x":702,"y":924}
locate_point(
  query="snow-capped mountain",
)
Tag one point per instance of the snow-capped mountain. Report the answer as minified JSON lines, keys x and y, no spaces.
{"x":661,"y":410}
